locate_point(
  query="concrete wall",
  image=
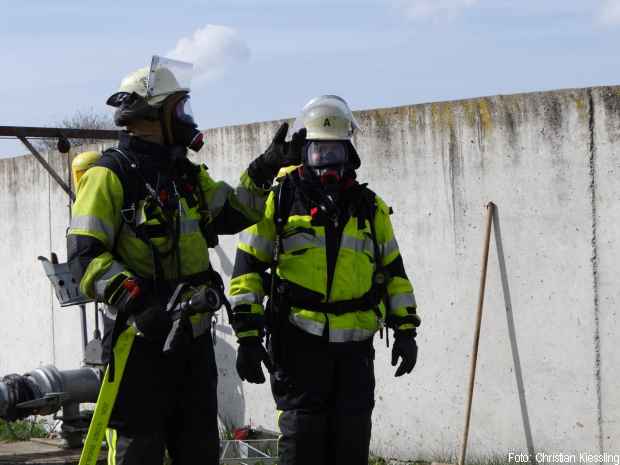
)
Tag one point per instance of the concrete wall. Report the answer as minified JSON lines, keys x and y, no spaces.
{"x":550,"y":163}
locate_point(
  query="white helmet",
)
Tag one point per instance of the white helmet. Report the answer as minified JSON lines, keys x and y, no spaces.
{"x":327,"y":117}
{"x":155,"y":83}
{"x":159,"y":93}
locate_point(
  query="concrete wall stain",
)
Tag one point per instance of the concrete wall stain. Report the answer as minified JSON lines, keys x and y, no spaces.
{"x":486,"y":121}
{"x":611,"y":102}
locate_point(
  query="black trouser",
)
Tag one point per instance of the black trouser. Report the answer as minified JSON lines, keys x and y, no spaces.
{"x":325,"y":393}
{"x":166,"y":402}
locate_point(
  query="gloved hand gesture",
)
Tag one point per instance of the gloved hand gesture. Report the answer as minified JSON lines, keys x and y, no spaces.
{"x":406,"y":348}
{"x":249,"y":357}
{"x":282,"y":153}
{"x":279,"y":154}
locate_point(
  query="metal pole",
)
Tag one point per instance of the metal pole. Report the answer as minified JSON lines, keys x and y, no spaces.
{"x":83,"y":320}
{"x":53,"y":133}
{"x":84,"y":329}
{"x":47,"y":167}
{"x":474,"y":353}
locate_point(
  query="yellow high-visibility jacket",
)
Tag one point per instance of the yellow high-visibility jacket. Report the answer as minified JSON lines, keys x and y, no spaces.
{"x":102,"y":242}
{"x":304,"y":263}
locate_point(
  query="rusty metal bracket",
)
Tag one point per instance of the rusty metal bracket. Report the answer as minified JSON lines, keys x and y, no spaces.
{"x":22,"y":132}
{"x":48,"y":167}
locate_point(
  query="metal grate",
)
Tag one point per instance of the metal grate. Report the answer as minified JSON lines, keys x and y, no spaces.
{"x":252,"y":451}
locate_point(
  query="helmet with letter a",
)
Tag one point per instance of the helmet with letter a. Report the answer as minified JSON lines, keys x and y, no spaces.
{"x":330,"y":125}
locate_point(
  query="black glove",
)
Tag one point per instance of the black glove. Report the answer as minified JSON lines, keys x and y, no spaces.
{"x":249,"y":357}
{"x":135,"y":299}
{"x":405,"y":347}
{"x":154,"y":323}
{"x":278,"y":155}
{"x":128,"y":295}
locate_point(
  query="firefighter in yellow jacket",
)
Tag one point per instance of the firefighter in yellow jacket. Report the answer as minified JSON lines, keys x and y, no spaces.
{"x":336,"y":278}
{"x":142,"y":223}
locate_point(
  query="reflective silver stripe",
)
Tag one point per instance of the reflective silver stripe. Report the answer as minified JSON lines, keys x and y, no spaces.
{"x":389,"y":247}
{"x":250,"y":200}
{"x":301,"y":241}
{"x":140,"y":213}
{"x":359,"y":245}
{"x":189,"y":226}
{"x":101,"y":283}
{"x":92,"y":223}
{"x":247,"y":298}
{"x":348,"y":335}
{"x":260,"y":243}
{"x":309,"y":326}
{"x":114,"y":269}
{"x":100,"y":287}
{"x":402,"y":300}
{"x":219,"y":198}
{"x":202,"y":326}
{"x":335,"y":335}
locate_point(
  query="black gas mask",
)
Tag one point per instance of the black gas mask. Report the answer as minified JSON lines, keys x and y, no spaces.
{"x":178,"y":123}
{"x":175,"y":116}
{"x":326,"y":161}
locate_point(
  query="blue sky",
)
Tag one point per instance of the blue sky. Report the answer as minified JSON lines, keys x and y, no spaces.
{"x":262,"y":60}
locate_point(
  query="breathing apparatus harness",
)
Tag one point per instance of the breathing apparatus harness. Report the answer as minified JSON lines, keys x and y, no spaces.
{"x":166,"y":207}
{"x":284,"y":294}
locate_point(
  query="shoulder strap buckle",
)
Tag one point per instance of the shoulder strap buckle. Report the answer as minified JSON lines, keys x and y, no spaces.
{"x":129,"y":214}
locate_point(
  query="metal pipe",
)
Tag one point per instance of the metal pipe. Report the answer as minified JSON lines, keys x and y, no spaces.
{"x":50,"y":133}
{"x":82,"y":384}
{"x":97,"y":333}
{"x":84,"y":325}
{"x":45,"y":390}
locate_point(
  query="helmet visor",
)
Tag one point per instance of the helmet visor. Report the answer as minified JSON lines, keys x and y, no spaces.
{"x":183,"y":111}
{"x":117,"y":99}
{"x":168,"y":76}
{"x":325,"y":153}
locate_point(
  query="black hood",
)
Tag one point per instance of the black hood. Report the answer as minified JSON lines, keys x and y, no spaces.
{"x":154,"y":158}
{"x":354,"y":158}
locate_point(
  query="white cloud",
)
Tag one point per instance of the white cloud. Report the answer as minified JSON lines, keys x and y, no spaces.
{"x":212,"y":49}
{"x":610,"y":12}
{"x":433,"y":9}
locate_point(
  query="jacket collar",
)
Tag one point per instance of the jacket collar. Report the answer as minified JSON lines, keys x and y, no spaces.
{"x":153,"y":156}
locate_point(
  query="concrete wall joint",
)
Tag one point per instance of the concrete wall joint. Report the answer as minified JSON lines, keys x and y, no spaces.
{"x":595,"y":277}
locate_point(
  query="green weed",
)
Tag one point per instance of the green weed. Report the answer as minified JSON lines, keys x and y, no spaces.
{"x":22,"y":430}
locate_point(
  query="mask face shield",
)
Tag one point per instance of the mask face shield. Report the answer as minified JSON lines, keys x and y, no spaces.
{"x":326,"y":160}
{"x":321,"y":154}
{"x":183,"y":111}
{"x":178,"y":123}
